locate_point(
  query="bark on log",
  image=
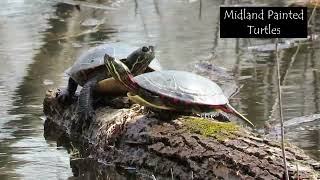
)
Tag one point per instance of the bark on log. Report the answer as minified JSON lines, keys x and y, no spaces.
{"x":189,"y":147}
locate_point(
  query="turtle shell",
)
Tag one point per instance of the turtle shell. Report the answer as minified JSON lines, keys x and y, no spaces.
{"x":92,"y":60}
{"x":184,"y":86}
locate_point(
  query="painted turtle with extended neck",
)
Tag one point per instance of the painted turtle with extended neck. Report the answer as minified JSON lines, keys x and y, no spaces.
{"x":172,"y":90}
{"x":89,"y":70}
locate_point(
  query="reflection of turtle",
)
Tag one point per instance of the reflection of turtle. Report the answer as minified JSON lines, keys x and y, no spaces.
{"x":89,"y":69}
{"x":172,"y":90}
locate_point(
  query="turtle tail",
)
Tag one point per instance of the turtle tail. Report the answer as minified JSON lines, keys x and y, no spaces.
{"x":235,"y":112}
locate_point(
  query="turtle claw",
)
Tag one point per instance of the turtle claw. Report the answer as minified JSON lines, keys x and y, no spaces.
{"x":64,"y":97}
{"x":86,"y":117}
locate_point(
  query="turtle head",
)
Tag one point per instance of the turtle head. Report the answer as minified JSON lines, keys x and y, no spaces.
{"x":119,"y":71}
{"x":140,"y":59}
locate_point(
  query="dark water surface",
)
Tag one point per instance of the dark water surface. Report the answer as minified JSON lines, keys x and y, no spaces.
{"x":40,"y":39}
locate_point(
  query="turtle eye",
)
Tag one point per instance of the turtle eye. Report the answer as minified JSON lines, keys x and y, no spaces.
{"x":145,"y":49}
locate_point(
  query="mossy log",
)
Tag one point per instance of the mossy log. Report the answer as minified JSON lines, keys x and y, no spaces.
{"x":186,"y":148}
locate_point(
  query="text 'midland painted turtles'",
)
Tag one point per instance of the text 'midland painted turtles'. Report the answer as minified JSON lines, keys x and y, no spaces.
{"x":172,"y":90}
{"x":89,"y":71}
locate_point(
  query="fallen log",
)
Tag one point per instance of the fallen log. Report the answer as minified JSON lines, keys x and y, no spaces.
{"x":185,"y":148}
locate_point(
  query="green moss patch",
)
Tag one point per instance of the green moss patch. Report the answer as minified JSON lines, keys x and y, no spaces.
{"x":205,"y":127}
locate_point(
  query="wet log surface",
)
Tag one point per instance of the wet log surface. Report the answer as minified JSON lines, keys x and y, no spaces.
{"x":185,"y":147}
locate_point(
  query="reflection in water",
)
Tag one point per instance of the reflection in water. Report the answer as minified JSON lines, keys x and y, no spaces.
{"x":23,"y":151}
{"x":39,"y":40}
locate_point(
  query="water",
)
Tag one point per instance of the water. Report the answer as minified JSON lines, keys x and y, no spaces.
{"x":40,"y":39}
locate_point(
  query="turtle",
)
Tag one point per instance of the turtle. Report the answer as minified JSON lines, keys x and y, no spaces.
{"x":172,"y":90}
{"x":89,"y":70}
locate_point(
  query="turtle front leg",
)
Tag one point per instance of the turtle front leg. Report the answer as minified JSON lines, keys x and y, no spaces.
{"x":220,"y":116}
{"x":65,"y":97}
{"x":85,"y":109}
